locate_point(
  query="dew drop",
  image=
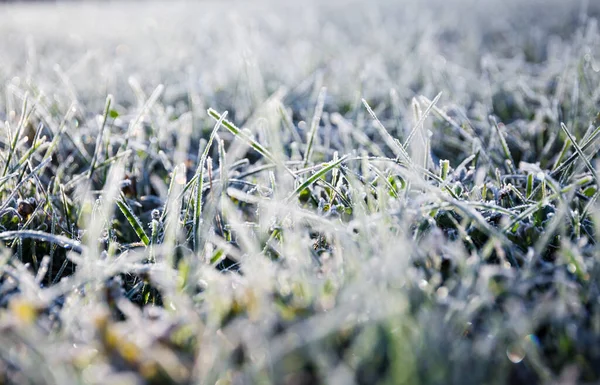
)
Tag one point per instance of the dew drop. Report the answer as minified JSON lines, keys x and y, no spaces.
{"x":515,"y":353}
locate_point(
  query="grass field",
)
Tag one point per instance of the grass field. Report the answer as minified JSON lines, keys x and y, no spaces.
{"x":391,"y":192}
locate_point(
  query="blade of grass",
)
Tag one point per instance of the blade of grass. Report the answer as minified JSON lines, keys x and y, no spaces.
{"x":313,"y":178}
{"x":580,"y":152}
{"x":392,"y":143}
{"x":99,"y":166}
{"x":99,"y":139}
{"x":562,"y":154}
{"x":37,"y":169}
{"x":133,"y":220}
{"x":443,"y":116}
{"x":533,"y":208}
{"x":36,"y":145}
{"x":504,"y":145}
{"x":59,"y":240}
{"x":143,"y":111}
{"x":287,"y":122}
{"x":237,"y":132}
{"x":421,"y":120}
{"x":15,"y":139}
{"x":314,"y":125}
{"x":573,"y":157}
{"x":200,"y":181}
{"x":61,"y":130}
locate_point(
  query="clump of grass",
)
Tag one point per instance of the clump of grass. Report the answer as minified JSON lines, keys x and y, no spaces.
{"x":434,"y":222}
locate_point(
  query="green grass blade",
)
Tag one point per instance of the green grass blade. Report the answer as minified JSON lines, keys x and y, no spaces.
{"x":133,"y":221}
{"x":313,"y":178}
{"x":561,"y":155}
{"x":237,"y":132}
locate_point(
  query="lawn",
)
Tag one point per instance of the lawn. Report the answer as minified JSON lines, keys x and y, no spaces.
{"x":387,"y":192}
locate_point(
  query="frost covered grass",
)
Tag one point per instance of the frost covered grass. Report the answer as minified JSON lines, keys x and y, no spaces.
{"x":353,"y":193}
